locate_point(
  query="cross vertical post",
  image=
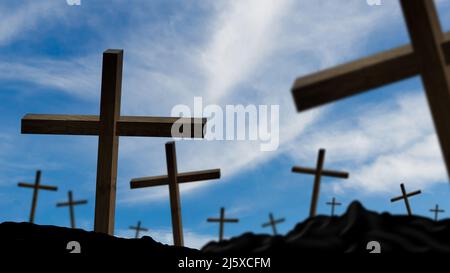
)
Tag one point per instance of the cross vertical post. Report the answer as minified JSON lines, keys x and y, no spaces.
{"x":426,"y":38}
{"x":71,"y":203}
{"x":37,"y":181}
{"x":222,"y":220}
{"x":174,"y":192}
{"x":108,"y":141}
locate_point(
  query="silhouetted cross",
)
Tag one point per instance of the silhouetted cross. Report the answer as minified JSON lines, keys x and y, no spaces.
{"x":108,"y":126}
{"x":138,"y":229}
{"x":318,"y":173}
{"x":172,"y":179}
{"x":71,"y":203}
{"x":272,"y":222}
{"x":428,"y":56}
{"x":222,"y":220}
{"x":333,"y":203}
{"x":36,"y":187}
{"x":436,"y":211}
{"x":405,"y":196}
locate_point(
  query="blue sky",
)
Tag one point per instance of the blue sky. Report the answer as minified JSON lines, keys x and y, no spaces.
{"x":227,"y":52}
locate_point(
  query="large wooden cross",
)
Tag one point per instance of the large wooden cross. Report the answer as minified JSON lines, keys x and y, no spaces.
{"x":222,"y":220}
{"x":36,"y":187}
{"x":172,"y":179}
{"x":405,"y":196}
{"x":108,"y":126}
{"x":428,"y":56}
{"x":138,"y":229}
{"x":333,"y":204}
{"x":318,"y":172}
{"x":273,"y":223}
{"x":436,"y":211}
{"x":71,"y":203}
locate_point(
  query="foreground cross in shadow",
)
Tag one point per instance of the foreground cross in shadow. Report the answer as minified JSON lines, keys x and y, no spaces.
{"x":138,"y":229}
{"x":318,"y":172}
{"x":222,"y":220}
{"x":273,"y":223}
{"x":172,"y":179}
{"x":36,"y":187}
{"x":436,"y":211}
{"x":333,"y":203}
{"x":108,"y":127}
{"x":405,"y":196}
{"x":427,"y":56}
{"x":71,"y":203}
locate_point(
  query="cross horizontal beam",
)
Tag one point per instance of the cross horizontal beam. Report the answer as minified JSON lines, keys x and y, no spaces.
{"x":407,"y":195}
{"x":139,"y":228}
{"x":90,"y":125}
{"x":160,"y":180}
{"x":359,"y":76}
{"x":231,"y":220}
{"x":338,"y":174}
{"x":74,"y":203}
{"x":42,"y":187}
{"x":274,"y":222}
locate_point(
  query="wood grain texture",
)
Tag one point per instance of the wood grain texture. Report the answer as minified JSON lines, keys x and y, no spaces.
{"x":359,"y":76}
{"x":185,"y":177}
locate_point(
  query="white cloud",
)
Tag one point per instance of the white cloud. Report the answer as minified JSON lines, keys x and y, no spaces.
{"x":165,"y":236}
{"x":18,"y":20}
{"x":381,"y":147}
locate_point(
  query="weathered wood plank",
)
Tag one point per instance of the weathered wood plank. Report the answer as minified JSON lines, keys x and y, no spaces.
{"x":359,"y":76}
{"x":332,"y":173}
{"x":186,"y":177}
{"x":426,"y":35}
{"x":108,"y":142}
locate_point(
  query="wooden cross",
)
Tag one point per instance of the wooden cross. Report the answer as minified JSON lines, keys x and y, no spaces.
{"x":138,"y":229}
{"x":318,"y":172}
{"x":436,"y":211}
{"x":71,"y":203}
{"x":333,"y":203}
{"x":36,"y":187}
{"x":108,"y":126}
{"x":172,"y":179}
{"x":272,"y":222}
{"x":428,"y":56}
{"x":222,"y":220}
{"x":405,"y":196}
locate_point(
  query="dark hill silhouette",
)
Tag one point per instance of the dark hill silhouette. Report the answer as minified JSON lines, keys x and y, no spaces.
{"x":322,"y":234}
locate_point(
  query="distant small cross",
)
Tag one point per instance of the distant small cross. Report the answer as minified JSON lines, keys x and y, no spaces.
{"x":333,"y":203}
{"x":405,"y":196}
{"x":272,"y":222}
{"x":138,"y":229}
{"x":36,"y":187}
{"x":222,"y":220}
{"x":71,"y":203}
{"x":318,"y":173}
{"x":436,"y":211}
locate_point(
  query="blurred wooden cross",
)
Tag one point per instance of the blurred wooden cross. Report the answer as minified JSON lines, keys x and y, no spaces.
{"x":172,"y":179}
{"x":333,"y":203}
{"x":36,"y":187}
{"x":138,"y":229}
{"x":318,"y":172}
{"x":108,"y":126}
{"x":428,"y":57}
{"x":436,"y":211}
{"x":71,"y":203}
{"x":222,"y":220}
{"x":405,"y":196}
{"x":272,"y":222}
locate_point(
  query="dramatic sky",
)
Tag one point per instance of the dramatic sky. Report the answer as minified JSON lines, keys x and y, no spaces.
{"x":227,"y":52}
